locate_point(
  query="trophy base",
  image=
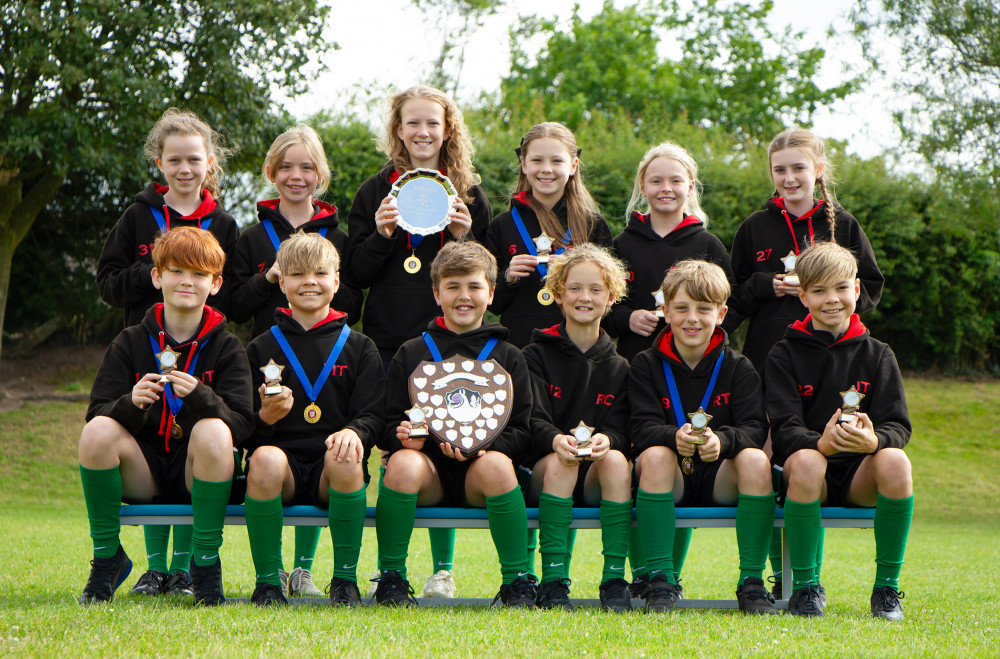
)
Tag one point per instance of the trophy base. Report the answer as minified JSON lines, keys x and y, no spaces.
{"x":584,"y":452}
{"x":659,"y":313}
{"x":848,"y":418}
{"x":418,"y":432}
{"x":162,"y":380}
{"x":697,"y":441}
{"x":544,"y":259}
{"x":791,"y":280}
{"x":270,"y":391}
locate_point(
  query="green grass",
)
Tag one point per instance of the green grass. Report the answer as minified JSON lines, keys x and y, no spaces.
{"x":951,"y":576}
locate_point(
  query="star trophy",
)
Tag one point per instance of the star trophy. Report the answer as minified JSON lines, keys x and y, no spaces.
{"x":699,"y":423}
{"x":168,"y":362}
{"x":418,"y":421}
{"x":658,"y":298}
{"x":272,"y":377}
{"x":543,"y":245}
{"x":852,"y":400}
{"x":790,"y":276}
{"x":583,"y":434}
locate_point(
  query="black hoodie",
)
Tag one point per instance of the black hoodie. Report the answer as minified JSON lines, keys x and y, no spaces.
{"x":399,"y":304}
{"x":350,"y":398}
{"x":762,"y":241}
{"x":517,"y":304}
{"x":648,"y":256}
{"x":251,"y":295}
{"x":736,"y":403}
{"x":514,"y":438}
{"x":223,"y":391}
{"x":571,"y":386}
{"x":808,"y":369}
{"x":123,"y":271}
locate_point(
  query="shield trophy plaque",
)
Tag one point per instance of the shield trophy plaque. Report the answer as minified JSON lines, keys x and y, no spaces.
{"x":466,"y":402}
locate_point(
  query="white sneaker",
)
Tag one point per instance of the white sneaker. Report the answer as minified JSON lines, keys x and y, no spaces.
{"x":284,"y":582}
{"x":300,"y":582}
{"x":440,"y":584}
{"x":372,"y":584}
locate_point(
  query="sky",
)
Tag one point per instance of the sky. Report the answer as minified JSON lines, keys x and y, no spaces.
{"x":386,"y":43}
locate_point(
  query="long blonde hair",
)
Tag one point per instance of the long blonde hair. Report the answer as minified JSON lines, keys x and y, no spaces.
{"x":675,"y":152}
{"x":179,"y":122}
{"x":456,"y":152}
{"x":582,"y":210}
{"x":808,"y":143}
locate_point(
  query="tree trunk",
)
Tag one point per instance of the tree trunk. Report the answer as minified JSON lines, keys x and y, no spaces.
{"x":7,"y":246}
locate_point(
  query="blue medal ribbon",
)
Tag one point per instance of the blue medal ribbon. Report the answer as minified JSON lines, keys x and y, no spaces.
{"x":529,"y":244}
{"x":161,"y":221}
{"x":483,"y":354}
{"x":675,"y":397}
{"x":312,"y":389}
{"x":174,"y":402}
{"x":273,"y":235}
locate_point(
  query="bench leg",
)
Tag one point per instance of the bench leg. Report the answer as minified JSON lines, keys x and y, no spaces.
{"x":786,"y":567}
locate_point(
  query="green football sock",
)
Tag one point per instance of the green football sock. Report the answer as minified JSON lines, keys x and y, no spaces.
{"x":636,"y":554}
{"x":395,"y":513}
{"x":616,"y":520}
{"x":102,"y":492}
{"x":570,"y":543}
{"x":265,"y":520}
{"x":657,"y":519}
{"x":208,"y":507}
{"x":554,"y":517}
{"x":819,"y":551}
{"x":180,"y":561}
{"x":682,"y":540}
{"x":306,"y":541}
{"x":532,"y":546}
{"x":442,"y":548}
{"x":774,"y":553}
{"x":509,"y":528}
{"x":157,"y":538}
{"x":802,"y":524}
{"x":892,"y":527}
{"x":754,"y":521}
{"x":347,"y":526}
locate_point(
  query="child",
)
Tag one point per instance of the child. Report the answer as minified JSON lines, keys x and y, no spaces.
{"x":551,"y":199}
{"x":296,"y":165}
{"x":673,"y":228}
{"x":296,"y":459}
{"x":791,"y":221}
{"x":425,"y":130}
{"x":832,"y":455}
{"x":189,"y":155}
{"x":167,"y":438}
{"x":579,"y":380}
{"x":691,"y":372}
{"x":422,"y":470}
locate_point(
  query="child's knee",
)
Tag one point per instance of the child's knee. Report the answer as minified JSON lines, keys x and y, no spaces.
{"x":343,"y":473}
{"x":753,"y":463}
{"x":616,"y":466}
{"x":267,"y":466}
{"x":404,"y":468}
{"x":892,"y":466}
{"x":495,"y":467}
{"x":806,"y":465}
{"x":658,"y":462}
{"x":100,"y":436}
{"x":211,"y":439}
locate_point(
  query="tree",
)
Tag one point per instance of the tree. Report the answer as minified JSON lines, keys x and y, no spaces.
{"x":947,"y":54}
{"x":721,"y":75}
{"x":83,"y":80}
{"x":456,"y":21}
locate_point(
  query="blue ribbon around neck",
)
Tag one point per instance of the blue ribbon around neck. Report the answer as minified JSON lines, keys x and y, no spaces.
{"x":529,"y":244}
{"x":273,"y":235}
{"x":675,"y":397}
{"x":312,"y":389}
{"x":483,"y":354}
{"x":161,"y":221}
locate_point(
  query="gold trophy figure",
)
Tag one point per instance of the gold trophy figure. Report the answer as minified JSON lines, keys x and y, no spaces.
{"x":658,"y":297}
{"x":852,"y":401}
{"x":789,"y":261}
{"x":418,"y":421}
{"x":168,"y":360}
{"x":272,"y":377}
{"x":543,"y":245}
{"x":699,"y":424}
{"x":583,"y":434}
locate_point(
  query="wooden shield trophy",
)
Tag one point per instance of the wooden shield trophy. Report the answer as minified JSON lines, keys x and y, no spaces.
{"x":466,"y":402}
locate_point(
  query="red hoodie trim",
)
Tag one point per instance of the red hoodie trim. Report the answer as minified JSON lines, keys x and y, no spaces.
{"x":808,"y":215}
{"x":440,"y":323}
{"x":331,"y":316}
{"x":665,"y":344}
{"x":856,"y":328}
{"x":522,"y":197}
{"x":320,"y":208}
{"x":208,"y":203}
{"x":553,"y":331}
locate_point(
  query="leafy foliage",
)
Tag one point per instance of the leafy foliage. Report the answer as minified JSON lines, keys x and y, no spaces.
{"x":719,"y":70}
{"x":83,"y":80}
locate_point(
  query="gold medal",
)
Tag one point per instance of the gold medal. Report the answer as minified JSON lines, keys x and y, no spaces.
{"x":687,"y":466}
{"x":312,"y":413}
{"x":412,"y":264}
{"x":176,"y":432}
{"x":545,"y":297}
